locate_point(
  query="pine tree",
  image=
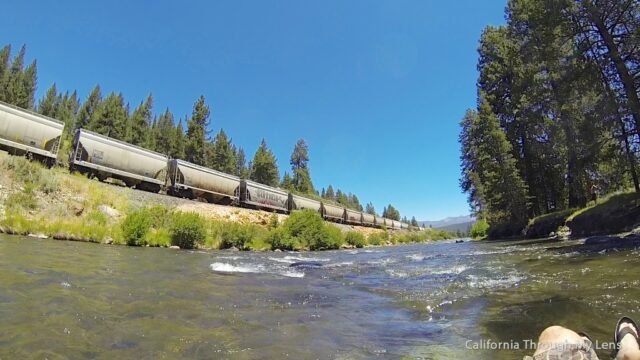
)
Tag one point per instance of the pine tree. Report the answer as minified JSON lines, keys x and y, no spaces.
{"x":179,"y":142}
{"x":287,"y":182}
{"x":139,"y":123}
{"x":241,"y":164}
{"x":223,"y":157}
{"x":390,"y":212}
{"x":18,"y":83}
{"x":29,"y":85}
{"x":264,"y":167}
{"x":89,"y":107}
{"x":414,"y":222}
{"x":164,"y":134}
{"x":48,"y":106}
{"x":110,"y":118}
{"x":5,"y":54}
{"x":197,"y":132}
{"x":369,"y":209}
{"x":330,"y":194}
{"x":300,"y":168}
{"x":489,"y":165}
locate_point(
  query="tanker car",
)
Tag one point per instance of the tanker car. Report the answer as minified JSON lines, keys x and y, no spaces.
{"x":99,"y":156}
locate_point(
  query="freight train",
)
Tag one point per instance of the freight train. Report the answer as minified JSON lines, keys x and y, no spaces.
{"x":101,"y":157}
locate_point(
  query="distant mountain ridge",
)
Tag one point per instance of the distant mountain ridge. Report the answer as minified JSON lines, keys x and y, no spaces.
{"x":448,"y":222}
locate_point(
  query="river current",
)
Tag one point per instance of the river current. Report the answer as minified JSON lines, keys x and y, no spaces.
{"x":440,"y":300}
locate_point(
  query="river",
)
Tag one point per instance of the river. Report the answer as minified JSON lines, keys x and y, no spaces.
{"x":430,"y":301}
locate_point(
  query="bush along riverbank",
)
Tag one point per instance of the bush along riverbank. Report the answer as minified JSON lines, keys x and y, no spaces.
{"x":51,"y":203}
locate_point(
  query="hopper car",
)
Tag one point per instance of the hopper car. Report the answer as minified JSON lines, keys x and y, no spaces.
{"x":102,"y":157}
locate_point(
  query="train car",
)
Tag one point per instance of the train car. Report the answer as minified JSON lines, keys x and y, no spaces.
{"x":297,"y":202}
{"x":333,"y":212}
{"x":404,"y":225}
{"x":103,"y":157}
{"x":353,"y":216}
{"x":262,"y":196}
{"x":380,"y":221}
{"x":26,"y":132}
{"x":368,"y":219}
{"x":197,"y":182}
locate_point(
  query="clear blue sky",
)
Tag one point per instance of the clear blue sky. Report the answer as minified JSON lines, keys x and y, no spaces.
{"x":376,"y":88}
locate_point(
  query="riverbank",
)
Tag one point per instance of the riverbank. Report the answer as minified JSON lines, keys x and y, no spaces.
{"x":618,"y":213}
{"x":53,"y":203}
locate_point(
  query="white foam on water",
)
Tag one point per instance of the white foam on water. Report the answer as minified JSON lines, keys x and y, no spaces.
{"x":258,"y":269}
{"x":346,"y":263}
{"x":300,"y":258}
{"x":504,"y":282}
{"x":415,"y":257}
{"x":230,"y":268}
{"x":453,"y":270}
{"x":292,"y":274}
{"x":65,"y":284}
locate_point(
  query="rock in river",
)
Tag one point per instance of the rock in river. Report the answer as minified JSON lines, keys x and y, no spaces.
{"x":306,"y":264}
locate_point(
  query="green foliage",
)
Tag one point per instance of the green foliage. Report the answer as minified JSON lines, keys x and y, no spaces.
{"x":17,"y":83}
{"x":197,"y":132}
{"x":188,"y":230}
{"x":355,"y":238}
{"x":138,"y":125}
{"x":390,"y":212}
{"x":238,"y":235}
{"x":305,"y":230}
{"x":135,"y":227}
{"x":301,"y":180}
{"x":557,"y":83}
{"x":110,"y":117}
{"x":378,"y":238}
{"x":280,"y":238}
{"x":479,"y":229}
{"x":24,"y":199}
{"x":223,"y":155}
{"x":88,"y":108}
{"x":273,"y":221}
{"x":264,"y":167}
{"x":31,"y":174}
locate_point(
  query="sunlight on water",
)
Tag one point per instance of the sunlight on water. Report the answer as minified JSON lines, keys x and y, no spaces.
{"x":64,"y":299}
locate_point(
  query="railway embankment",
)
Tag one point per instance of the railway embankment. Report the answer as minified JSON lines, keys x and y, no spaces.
{"x":53,"y":203}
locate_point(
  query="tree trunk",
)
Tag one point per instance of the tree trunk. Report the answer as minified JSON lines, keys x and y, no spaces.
{"x":621,"y":68}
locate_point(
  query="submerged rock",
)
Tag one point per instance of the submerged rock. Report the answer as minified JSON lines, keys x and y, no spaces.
{"x":306,"y":264}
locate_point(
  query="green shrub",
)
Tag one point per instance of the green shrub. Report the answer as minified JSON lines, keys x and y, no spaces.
{"x":187,"y":230}
{"x":237,"y":235}
{"x":280,"y":238}
{"x":305,"y":230}
{"x":378,"y":238}
{"x":355,"y":238}
{"x":158,"y":237}
{"x":273,"y":221}
{"x":135,"y":227}
{"x":332,"y":239}
{"x":479,"y":229}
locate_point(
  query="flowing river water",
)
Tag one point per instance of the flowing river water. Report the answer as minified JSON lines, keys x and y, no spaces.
{"x":429,"y":301}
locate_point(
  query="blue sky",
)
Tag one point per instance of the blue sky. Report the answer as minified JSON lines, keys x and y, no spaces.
{"x":376,"y":88}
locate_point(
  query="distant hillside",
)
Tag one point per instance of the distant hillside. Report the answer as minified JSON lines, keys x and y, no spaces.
{"x":447,"y":222}
{"x":464,"y":227}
